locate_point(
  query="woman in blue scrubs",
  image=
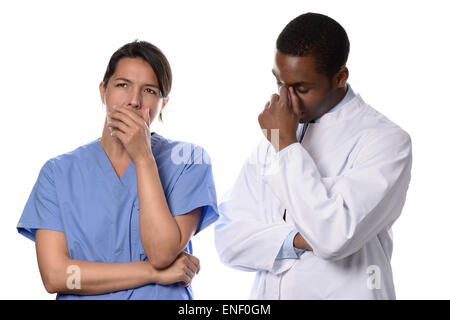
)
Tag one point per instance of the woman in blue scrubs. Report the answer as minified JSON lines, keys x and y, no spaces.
{"x":113,"y":218}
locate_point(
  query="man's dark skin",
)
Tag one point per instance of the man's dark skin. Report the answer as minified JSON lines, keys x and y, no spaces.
{"x":305,"y":95}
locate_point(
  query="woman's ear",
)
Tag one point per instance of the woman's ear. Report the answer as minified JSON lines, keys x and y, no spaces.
{"x":165,"y":101}
{"x":102,"y":92}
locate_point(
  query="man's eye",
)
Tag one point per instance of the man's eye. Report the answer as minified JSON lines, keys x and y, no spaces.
{"x":304,"y":91}
{"x":121,"y":85}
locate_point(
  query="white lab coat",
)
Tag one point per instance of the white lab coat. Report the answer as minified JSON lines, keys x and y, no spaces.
{"x":343,"y":188}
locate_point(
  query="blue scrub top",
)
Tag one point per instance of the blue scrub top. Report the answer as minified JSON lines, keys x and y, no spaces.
{"x":80,"y":194}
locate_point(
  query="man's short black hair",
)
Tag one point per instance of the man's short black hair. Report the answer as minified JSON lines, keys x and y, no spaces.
{"x":317,"y":35}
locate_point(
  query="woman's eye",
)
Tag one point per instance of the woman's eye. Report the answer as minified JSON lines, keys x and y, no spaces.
{"x":152,"y":92}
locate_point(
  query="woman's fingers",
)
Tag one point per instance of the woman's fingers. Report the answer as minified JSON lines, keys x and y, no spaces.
{"x":119,"y":135}
{"x":189,"y":273}
{"x":192,"y":267}
{"x":120,"y":116}
{"x":131,"y":118}
{"x":194,"y":260}
{"x":116,"y":124}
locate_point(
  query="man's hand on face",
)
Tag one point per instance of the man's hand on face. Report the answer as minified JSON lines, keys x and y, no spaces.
{"x":281,"y":113}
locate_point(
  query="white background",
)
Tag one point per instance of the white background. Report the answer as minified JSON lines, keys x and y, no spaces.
{"x":54,"y":53}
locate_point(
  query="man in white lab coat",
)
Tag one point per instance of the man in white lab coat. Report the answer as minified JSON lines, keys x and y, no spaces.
{"x":312,"y":209}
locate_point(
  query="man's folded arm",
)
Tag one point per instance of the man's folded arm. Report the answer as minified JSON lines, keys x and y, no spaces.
{"x":339,"y":220}
{"x":244,"y":240}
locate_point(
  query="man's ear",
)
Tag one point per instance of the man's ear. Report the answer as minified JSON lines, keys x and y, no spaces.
{"x":102,"y":92}
{"x":341,"y":77}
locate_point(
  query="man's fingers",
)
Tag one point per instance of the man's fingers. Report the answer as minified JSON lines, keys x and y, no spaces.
{"x":274,"y":99}
{"x":295,"y":101}
{"x":284,"y":96}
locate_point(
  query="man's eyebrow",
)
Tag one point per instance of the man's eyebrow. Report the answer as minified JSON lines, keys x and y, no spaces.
{"x":302,"y":83}
{"x":146,"y":85}
{"x":299,"y":83}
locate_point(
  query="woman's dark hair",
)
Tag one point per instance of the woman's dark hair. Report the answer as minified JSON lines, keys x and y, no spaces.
{"x":149,"y":53}
{"x":317,"y":35}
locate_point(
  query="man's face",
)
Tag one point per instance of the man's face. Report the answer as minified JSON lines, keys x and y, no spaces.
{"x":315,"y":91}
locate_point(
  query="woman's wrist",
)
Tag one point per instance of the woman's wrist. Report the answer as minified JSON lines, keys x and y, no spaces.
{"x":145,"y":161}
{"x":151,"y":274}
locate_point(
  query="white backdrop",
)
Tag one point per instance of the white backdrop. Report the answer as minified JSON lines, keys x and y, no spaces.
{"x":54,"y":53}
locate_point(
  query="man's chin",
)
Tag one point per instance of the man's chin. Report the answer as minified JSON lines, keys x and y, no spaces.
{"x":303,"y":118}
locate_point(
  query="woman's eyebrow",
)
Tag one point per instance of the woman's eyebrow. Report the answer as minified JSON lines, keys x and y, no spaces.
{"x":146,"y":85}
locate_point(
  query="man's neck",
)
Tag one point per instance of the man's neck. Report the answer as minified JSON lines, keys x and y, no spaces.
{"x":339,"y":96}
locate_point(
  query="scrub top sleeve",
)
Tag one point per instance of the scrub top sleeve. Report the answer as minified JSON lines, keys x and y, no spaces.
{"x":41,"y":210}
{"x":195,"y":188}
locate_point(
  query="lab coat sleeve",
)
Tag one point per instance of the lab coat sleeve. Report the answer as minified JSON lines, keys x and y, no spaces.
{"x":339,"y":219}
{"x":244,"y":238}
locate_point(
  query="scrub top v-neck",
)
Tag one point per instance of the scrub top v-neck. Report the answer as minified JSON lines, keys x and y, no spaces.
{"x":118,"y":185}
{"x":80,"y":194}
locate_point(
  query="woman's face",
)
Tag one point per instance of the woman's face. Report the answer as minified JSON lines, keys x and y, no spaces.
{"x":133,"y":85}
